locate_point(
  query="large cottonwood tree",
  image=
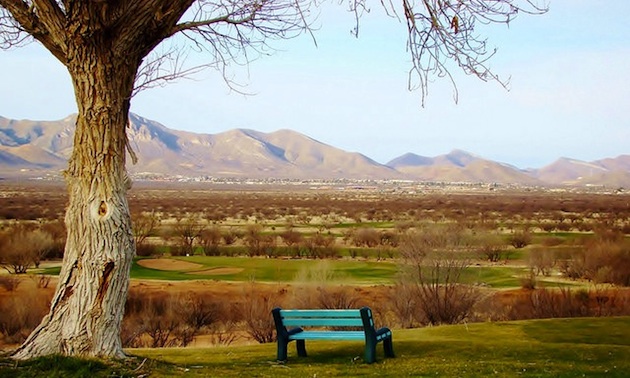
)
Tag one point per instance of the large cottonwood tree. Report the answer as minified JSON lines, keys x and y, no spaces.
{"x":109,"y":50}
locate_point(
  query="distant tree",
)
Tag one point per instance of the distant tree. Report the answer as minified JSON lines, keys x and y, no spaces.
{"x":367,"y":237}
{"x":210,"y":240}
{"x":21,"y":248}
{"x":144,"y":225}
{"x":187,"y":232}
{"x":111,"y":49}
{"x":490,"y":246}
{"x":520,"y":239}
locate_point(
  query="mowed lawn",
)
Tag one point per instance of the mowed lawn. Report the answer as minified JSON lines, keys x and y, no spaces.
{"x":272,"y":270}
{"x":346,"y":271}
{"x":536,"y":348}
{"x":578,"y":347}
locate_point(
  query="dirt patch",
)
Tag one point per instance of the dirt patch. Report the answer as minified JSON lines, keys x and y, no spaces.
{"x":218,"y":271}
{"x":168,"y":264}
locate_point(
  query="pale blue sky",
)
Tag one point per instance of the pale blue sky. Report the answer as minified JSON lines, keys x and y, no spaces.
{"x":569,"y":92}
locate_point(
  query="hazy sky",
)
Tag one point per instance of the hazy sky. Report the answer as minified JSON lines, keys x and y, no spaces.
{"x":569,"y":96}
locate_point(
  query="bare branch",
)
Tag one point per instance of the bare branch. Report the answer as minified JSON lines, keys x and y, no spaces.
{"x":41,"y":19}
{"x":230,"y":33}
{"x":444,"y":32}
{"x":12,"y":15}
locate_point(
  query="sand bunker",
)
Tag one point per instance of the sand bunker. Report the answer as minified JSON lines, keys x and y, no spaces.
{"x":169,"y":264}
{"x":218,"y":271}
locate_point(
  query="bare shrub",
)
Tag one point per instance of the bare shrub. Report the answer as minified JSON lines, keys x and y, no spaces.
{"x":231,"y":236}
{"x":254,"y":240}
{"x":57,"y":230}
{"x":367,"y":237}
{"x":147,"y":249}
{"x":607,"y":301}
{"x":389,"y":239}
{"x":42,"y":280}
{"x":256,"y":312}
{"x":145,"y":225}
{"x":552,"y":241}
{"x":159,"y":321}
{"x":186,"y":233}
{"x":337,"y":298}
{"x":435,"y":258}
{"x":604,"y":259}
{"x":558,"y":303}
{"x":10,"y":283}
{"x":319,"y":246}
{"x":38,"y":245}
{"x":403,"y":304}
{"x":490,"y":246}
{"x":223,"y":333}
{"x":292,"y":239}
{"x":165,"y":319}
{"x":520,"y":239}
{"x":20,"y":314}
{"x":541,"y":260}
{"x":210,"y":241}
{"x":21,"y":247}
{"x":528,"y":281}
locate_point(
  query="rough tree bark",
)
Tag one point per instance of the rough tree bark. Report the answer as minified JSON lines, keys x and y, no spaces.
{"x":86,"y":311}
{"x":102,"y":54}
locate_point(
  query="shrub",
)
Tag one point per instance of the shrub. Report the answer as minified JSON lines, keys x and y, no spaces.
{"x":541,"y":261}
{"x":520,"y":239}
{"x":490,"y":246}
{"x":256,"y":312}
{"x":167,"y":319}
{"x":21,"y":247}
{"x":603,"y":260}
{"x":20,"y":314}
{"x":186,"y":232}
{"x":435,"y":257}
{"x":210,"y":240}
{"x":336,"y":298}
{"x":10,"y":283}
{"x":402,"y":302}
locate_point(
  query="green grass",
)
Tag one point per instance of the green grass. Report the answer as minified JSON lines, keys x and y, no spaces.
{"x":344,"y":271}
{"x":276,"y":270}
{"x":63,"y":367}
{"x":576,"y":347}
{"x":540,"y":348}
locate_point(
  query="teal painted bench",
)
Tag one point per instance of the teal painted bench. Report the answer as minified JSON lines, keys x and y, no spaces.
{"x":343,"y":324}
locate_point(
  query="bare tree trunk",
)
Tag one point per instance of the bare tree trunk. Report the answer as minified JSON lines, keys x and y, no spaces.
{"x":87,"y":309}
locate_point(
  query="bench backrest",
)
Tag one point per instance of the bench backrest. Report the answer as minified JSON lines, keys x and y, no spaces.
{"x":321,"y":318}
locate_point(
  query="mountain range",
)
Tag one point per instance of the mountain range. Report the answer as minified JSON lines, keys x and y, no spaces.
{"x":38,"y":147}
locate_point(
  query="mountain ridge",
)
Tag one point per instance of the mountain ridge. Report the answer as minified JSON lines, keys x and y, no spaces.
{"x":34,"y":147}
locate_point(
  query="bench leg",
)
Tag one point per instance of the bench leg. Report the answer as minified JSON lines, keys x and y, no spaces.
{"x":301,"y":347}
{"x":282,"y":350}
{"x":370,"y":352}
{"x":388,"y":346}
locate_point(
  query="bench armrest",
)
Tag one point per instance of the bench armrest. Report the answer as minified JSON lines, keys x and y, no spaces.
{"x":383,"y":331}
{"x":295,"y":330}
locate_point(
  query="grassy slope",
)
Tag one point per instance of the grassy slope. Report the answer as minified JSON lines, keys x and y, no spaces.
{"x":537,"y":348}
{"x":540,"y":348}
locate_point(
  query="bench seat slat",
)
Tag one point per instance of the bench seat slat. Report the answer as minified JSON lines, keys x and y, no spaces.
{"x":323,"y":335}
{"x":323,"y":322}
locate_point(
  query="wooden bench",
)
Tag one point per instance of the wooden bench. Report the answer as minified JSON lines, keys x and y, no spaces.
{"x":335,"y":319}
